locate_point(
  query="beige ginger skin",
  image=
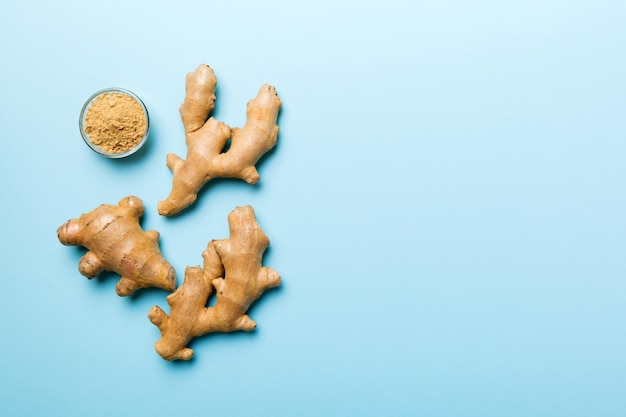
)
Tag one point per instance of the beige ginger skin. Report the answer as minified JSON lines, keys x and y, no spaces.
{"x":233,"y":268}
{"x":116,"y":242}
{"x":207,"y":138}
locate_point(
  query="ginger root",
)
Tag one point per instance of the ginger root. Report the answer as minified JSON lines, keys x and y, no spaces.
{"x":206,"y":140}
{"x":116,"y":242}
{"x":233,"y":268}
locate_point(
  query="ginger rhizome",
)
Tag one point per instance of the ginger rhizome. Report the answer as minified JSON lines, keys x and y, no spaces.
{"x":117,"y":243}
{"x":207,"y":139}
{"x":233,"y":268}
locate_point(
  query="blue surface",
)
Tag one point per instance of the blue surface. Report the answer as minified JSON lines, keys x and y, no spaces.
{"x":446,"y":207}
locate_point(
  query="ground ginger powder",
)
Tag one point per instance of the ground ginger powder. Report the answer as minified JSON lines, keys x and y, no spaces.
{"x":115,"y":122}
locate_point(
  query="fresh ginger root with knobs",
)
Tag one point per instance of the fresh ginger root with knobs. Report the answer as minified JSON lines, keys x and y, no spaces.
{"x":116,"y":242}
{"x":206,"y":140}
{"x":231,"y":266}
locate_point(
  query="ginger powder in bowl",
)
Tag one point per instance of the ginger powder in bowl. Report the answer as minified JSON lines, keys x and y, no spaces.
{"x":114,"y":123}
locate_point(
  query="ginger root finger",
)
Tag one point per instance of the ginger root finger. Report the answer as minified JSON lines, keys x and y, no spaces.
{"x":117,"y":243}
{"x":199,"y":97}
{"x":232,"y":269}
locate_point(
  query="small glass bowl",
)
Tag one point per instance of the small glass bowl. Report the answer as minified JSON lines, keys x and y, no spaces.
{"x":97,"y":149}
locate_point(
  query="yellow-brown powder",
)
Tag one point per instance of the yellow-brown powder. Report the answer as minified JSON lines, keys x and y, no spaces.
{"x":115,"y":122}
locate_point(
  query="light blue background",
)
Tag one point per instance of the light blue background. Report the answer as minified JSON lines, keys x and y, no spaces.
{"x":446,"y":206}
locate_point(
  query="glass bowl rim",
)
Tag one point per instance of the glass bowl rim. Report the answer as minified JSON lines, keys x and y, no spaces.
{"x":83,"y":114}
